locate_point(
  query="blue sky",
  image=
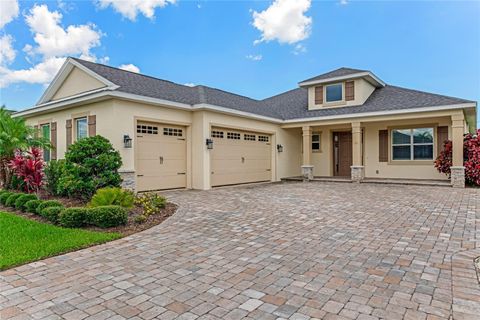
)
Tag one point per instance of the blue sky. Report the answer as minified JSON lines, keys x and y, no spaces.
{"x":430,"y":46}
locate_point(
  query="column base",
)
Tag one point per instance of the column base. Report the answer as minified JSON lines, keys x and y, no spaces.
{"x":357,"y":174}
{"x":128,"y":179}
{"x":307,"y":172}
{"x":457,"y":177}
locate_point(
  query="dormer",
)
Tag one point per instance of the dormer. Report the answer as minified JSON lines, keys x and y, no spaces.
{"x":340,"y":88}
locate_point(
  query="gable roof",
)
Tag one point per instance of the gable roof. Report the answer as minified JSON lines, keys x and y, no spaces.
{"x":289,"y":105}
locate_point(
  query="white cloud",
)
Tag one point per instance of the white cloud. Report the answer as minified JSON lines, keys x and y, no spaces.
{"x":256,"y":57}
{"x":130,"y":67}
{"x":8,"y":11}
{"x":284,"y":21}
{"x":7,"y":53}
{"x":189,"y":84}
{"x":131,"y":8}
{"x":53,"y":44}
{"x":299,"y":49}
{"x":343,"y":2}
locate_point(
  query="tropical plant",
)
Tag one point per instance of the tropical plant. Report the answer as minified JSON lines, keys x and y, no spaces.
{"x":28,"y":167}
{"x":112,"y":196}
{"x":14,"y":135}
{"x":444,"y":159}
{"x":53,"y":172}
{"x":90,"y":164}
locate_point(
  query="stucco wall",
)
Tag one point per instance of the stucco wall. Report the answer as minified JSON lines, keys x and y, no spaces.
{"x":77,"y":82}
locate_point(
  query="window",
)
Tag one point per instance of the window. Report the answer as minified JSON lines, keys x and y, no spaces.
{"x":412,"y":144}
{"x":263,"y":138}
{"x":334,"y":92}
{"x":147,"y":129}
{"x":217,"y":134}
{"x":46,"y":135}
{"x":172,"y":132}
{"x":249,"y":137}
{"x":81,"y":126}
{"x":233,"y":135}
{"x":316,"y":141}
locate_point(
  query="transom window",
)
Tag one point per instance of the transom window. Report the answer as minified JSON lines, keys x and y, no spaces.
{"x":81,"y":126}
{"x":147,"y":129}
{"x":249,"y":137}
{"x":46,"y":135}
{"x":316,"y":141}
{"x":217,"y":134}
{"x":172,"y":132}
{"x":334,"y":92}
{"x":263,"y":138}
{"x":233,"y":135}
{"x":412,"y":144}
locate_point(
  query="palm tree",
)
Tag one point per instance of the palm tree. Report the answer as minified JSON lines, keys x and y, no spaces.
{"x":15,"y":135}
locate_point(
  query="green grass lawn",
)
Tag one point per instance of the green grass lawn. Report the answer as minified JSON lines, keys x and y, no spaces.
{"x":23,"y":240}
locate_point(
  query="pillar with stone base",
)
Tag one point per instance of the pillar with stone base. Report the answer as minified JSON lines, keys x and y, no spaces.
{"x":357,"y":173}
{"x":307,"y":168}
{"x":457,"y":177}
{"x":307,"y":172}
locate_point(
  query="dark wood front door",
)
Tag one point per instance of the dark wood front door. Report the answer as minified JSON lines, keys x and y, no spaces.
{"x":342,"y":153}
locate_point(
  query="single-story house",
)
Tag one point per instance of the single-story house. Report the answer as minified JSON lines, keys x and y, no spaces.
{"x":345,"y":123}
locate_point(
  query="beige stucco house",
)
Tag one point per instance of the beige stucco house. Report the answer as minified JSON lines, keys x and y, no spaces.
{"x":345,"y":123}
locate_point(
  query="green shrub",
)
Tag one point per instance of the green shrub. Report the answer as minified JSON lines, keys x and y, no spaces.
{"x":73,"y":217}
{"x":4,"y":196}
{"x":47,"y":204}
{"x":53,"y":173}
{"x":52,"y":214}
{"x":90,"y":164}
{"x":140,"y":219}
{"x":150,"y":202}
{"x":23,"y":199}
{"x":10,"y":202}
{"x":112,"y":197}
{"x":31,"y":206}
{"x":107,"y":216}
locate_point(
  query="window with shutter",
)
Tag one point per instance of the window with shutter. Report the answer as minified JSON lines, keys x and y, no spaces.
{"x":383,"y":145}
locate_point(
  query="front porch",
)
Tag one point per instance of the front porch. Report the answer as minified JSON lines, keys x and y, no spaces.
{"x":381,"y":150}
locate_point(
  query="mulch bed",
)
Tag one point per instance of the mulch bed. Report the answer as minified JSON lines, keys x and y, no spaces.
{"x":130,"y":228}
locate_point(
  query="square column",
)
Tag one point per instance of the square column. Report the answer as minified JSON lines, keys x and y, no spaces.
{"x":307,"y":168}
{"x":357,"y":173}
{"x":457,"y":170}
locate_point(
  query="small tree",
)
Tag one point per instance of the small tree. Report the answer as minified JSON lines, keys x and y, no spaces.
{"x":28,"y":167}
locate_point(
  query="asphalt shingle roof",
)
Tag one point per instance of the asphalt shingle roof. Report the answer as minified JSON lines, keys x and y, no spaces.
{"x":336,"y":73}
{"x":292,"y":104}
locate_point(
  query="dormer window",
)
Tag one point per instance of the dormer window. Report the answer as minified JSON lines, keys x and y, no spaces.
{"x":334,"y":92}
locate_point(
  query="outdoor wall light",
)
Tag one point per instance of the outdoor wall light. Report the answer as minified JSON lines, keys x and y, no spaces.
{"x":209,"y":144}
{"x":279,"y":148}
{"x":127,"y":141}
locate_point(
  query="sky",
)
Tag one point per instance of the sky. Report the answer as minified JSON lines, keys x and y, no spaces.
{"x":253,"y":48}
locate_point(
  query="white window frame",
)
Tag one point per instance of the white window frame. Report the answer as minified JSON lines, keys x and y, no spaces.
{"x":47,"y":151}
{"x":342,"y":98}
{"x":76,"y":127}
{"x":319,"y":135}
{"x":412,"y":144}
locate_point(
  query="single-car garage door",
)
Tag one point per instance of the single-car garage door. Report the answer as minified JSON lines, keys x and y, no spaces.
{"x":240,"y":157}
{"x":161,"y":156}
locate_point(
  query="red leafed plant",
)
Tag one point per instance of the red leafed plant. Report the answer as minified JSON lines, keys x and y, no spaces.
{"x":471,"y":158}
{"x":28,"y":166}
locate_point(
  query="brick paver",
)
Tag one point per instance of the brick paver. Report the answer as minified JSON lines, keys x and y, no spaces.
{"x":295,"y":250}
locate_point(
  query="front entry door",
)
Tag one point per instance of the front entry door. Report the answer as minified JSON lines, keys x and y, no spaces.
{"x":342,"y":153}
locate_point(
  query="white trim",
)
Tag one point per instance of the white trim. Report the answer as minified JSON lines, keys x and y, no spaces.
{"x":375,"y":79}
{"x":63,"y":73}
{"x":206,"y":106}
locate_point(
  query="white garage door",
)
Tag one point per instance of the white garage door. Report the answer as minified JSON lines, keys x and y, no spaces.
{"x":161,"y":157}
{"x":240,"y":157}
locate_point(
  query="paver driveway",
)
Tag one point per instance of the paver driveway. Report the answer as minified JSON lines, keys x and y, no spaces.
{"x":320,"y":250}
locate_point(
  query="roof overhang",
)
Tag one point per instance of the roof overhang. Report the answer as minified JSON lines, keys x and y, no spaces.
{"x":368,"y":76}
{"x":63,"y":73}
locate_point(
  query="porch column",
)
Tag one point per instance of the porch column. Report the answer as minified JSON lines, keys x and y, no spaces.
{"x":307,"y":168}
{"x":457,"y":169}
{"x":357,"y":168}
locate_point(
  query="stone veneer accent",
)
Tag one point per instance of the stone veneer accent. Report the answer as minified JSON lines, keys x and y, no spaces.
{"x":307,"y":172}
{"x":458,"y":177}
{"x":357,"y":173}
{"x":128,"y":178}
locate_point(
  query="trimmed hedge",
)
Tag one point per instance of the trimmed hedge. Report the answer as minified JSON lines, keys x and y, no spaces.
{"x":4,"y":196}
{"x":23,"y":199}
{"x":31,"y":206}
{"x":52,"y":214}
{"x":107,"y":216}
{"x":47,"y":204}
{"x":73,"y":217}
{"x":10,"y":202}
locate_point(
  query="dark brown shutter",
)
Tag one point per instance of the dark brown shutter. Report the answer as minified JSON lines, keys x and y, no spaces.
{"x":319,"y":95}
{"x":53,"y":140}
{"x":92,"y":125}
{"x":35,"y":131}
{"x":350,"y":90}
{"x":442,"y":136}
{"x":68,"y":128}
{"x":383,"y":145}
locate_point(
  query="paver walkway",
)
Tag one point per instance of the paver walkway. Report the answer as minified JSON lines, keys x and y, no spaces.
{"x":294,"y":250}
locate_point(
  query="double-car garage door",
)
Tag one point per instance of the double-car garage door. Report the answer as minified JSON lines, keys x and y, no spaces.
{"x":237,"y":157}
